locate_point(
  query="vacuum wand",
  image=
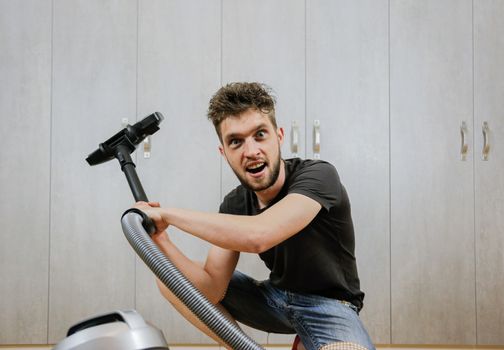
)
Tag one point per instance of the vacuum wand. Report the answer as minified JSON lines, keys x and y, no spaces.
{"x":122,"y":144}
{"x":129,"y":170}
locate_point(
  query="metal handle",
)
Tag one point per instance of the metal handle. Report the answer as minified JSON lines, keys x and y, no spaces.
{"x":147,"y":147}
{"x":316,"y":139}
{"x":486,"y":140}
{"x":294,"y":139}
{"x":464,"y":147}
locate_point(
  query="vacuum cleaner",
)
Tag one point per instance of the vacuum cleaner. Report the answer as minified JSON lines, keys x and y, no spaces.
{"x":115,"y":330}
{"x":126,"y":330}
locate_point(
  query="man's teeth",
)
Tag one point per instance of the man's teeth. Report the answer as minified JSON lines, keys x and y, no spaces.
{"x":256,"y":166}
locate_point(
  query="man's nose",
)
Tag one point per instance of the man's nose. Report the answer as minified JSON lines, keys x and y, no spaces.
{"x":251,"y":148}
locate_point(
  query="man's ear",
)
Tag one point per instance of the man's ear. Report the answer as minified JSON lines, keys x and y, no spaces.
{"x":221,"y":150}
{"x":280,"y":135}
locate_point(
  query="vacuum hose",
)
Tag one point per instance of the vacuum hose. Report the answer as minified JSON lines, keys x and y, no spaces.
{"x":133,"y":222}
{"x":137,"y":227}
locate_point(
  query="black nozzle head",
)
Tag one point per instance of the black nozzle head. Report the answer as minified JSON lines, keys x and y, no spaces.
{"x":128,"y":138}
{"x":101,"y":155}
{"x":145,"y":127}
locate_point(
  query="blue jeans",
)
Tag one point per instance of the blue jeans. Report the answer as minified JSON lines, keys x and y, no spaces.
{"x":317,"y":320}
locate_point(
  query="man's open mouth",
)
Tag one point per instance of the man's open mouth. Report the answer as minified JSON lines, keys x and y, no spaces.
{"x":256,"y":168}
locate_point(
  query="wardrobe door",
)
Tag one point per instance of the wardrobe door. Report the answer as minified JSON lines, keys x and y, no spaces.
{"x":25,"y":119}
{"x":348,"y":125}
{"x":489,"y":167}
{"x":432,"y":199}
{"x":264,"y":41}
{"x":178,"y":71}
{"x":92,"y":267}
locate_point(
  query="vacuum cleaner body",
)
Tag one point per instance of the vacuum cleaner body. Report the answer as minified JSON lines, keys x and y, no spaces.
{"x":125,"y":330}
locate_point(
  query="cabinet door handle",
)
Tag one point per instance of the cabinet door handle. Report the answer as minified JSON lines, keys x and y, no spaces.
{"x":294,"y":139}
{"x":147,"y":147}
{"x":486,"y":140}
{"x":464,"y":147}
{"x":316,"y":139}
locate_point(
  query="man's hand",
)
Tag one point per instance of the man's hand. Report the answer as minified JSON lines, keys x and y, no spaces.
{"x":153,"y":210}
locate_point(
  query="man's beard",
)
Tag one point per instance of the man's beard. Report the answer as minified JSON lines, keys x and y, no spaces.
{"x":273,"y":176}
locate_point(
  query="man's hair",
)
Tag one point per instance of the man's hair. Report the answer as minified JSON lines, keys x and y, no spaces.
{"x":236,"y":98}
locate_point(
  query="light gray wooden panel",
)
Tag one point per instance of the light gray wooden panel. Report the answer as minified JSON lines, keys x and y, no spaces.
{"x":347,"y":91}
{"x":432,"y":205}
{"x":179,"y":70}
{"x":94,"y":86}
{"x":489,"y":107}
{"x":264,"y":41}
{"x":25,"y":108}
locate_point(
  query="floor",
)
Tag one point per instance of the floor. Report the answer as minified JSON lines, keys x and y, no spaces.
{"x":278,"y":347}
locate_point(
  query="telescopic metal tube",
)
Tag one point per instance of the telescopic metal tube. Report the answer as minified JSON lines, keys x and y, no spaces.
{"x":128,"y":167}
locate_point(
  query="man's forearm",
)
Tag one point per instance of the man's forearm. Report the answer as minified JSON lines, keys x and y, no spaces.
{"x":234,"y":232}
{"x":193,"y":271}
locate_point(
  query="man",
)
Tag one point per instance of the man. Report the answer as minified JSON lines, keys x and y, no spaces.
{"x":294,"y":213}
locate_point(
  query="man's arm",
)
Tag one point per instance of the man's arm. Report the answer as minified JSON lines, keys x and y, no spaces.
{"x":254,"y":234}
{"x":211,"y":278}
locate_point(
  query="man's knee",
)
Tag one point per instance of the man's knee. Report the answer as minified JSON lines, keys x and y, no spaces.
{"x":343,"y":346}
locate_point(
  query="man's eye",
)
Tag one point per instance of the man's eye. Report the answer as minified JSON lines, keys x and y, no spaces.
{"x":261,"y":134}
{"x":234,"y":142}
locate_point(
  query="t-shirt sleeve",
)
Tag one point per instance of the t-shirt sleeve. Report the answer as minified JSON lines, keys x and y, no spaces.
{"x":320,"y":182}
{"x":233,"y":202}
{"x":223,"y":208}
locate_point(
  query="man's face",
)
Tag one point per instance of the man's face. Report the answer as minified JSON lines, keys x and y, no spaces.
{"x":251,"y":145}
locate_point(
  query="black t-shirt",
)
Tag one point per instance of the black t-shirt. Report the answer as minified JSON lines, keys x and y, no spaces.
{"x":320,"y":258}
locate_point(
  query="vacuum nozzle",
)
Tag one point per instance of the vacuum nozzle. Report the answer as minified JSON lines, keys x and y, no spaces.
{"x":127,"y":138}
